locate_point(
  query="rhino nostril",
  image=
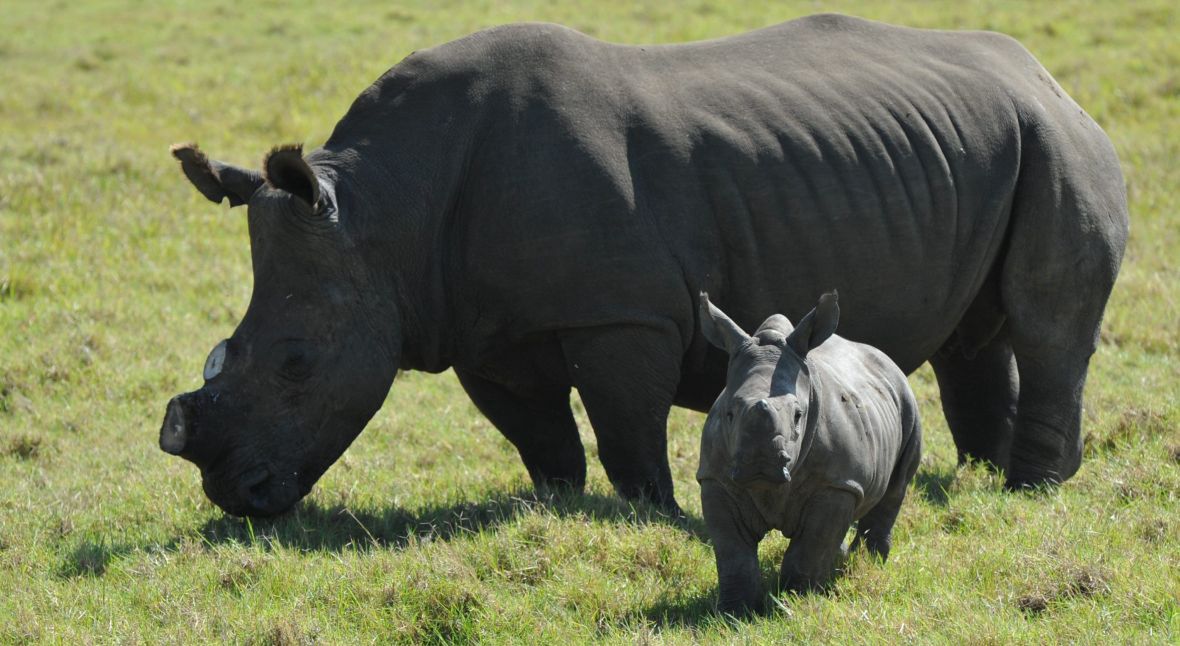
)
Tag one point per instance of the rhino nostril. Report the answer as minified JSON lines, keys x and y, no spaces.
{"x":174,"y":434}
{"x":255,"y":477}
{"x":252,"y":487}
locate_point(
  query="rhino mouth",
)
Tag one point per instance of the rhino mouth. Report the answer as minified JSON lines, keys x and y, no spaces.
{"x":762,"y":473}
{"x":255,"y":492}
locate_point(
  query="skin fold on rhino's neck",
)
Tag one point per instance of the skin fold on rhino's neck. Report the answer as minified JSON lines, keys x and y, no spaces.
{"x":399,"y":157}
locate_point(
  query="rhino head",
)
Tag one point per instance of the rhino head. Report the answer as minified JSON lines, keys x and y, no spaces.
{"x":313,"y":357}
{"x":763,"y":416}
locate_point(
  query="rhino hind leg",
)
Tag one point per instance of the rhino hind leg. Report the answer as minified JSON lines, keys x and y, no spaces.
{"x":875,"y":529}
{"x":1047,"y":439}
{"x":1067,"y":235}
{"x":816,"y":550}
{"x":540,"y":426}
{"x":627,"y":378}
{"x":979,"y":391}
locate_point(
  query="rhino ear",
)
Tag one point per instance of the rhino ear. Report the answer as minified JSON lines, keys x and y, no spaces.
{"x":718,"y":328}
{"x":215,"y":180}
{"x":815,"y":328}
{"x":286,"y":170}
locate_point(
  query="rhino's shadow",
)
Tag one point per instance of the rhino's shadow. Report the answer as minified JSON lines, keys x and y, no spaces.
{"x":313,"y":527}
{"x":932,"y":485}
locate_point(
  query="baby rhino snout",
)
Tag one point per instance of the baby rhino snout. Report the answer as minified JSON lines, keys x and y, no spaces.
{"x":770,"y":470}
{"x":761,"y":457}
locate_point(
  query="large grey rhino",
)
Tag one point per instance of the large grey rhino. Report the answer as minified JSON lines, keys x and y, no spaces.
{"x":811,"y":433}
{"x":538,"y":209}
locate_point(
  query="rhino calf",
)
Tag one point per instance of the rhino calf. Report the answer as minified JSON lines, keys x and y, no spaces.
{"x":806,"y":438}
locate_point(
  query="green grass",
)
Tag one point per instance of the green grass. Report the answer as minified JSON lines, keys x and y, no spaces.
{"x":116,"y":278}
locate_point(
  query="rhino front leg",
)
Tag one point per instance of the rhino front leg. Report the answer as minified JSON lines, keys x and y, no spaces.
{"x":627,"y":378}
{"x":817,"y":547}
{"x":540,"y":426}
{"x":979,"y":399}
{"x":735,"y":547}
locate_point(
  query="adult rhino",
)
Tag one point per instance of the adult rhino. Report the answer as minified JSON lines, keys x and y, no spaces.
{"x":539,"y":209}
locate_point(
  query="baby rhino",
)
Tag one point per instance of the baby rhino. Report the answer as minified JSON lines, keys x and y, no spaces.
{"x":811,"y":433}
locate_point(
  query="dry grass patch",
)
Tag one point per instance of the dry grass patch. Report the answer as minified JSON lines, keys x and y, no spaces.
{"x":1076,"y":582}
{"x":25,"y":447}
{"x":288,"y":633}
{"x":241,"y":573}
{"x":435,"y":607}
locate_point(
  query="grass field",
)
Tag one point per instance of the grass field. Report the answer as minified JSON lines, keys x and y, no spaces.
{"x":116,"y":278}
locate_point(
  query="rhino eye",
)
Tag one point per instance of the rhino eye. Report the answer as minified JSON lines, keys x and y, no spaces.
{"x":297,"y":361}
{"x":729,"y":416}
{"x":798,"y":416}
{"x":296,"y":367}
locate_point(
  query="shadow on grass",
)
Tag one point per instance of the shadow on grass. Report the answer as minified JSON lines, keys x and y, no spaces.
{"x":700,"y":610}
{"x":312,"y":527}
{"x":932,"y":485}
{"x":684,"y":612}
{"x":91,"y":558}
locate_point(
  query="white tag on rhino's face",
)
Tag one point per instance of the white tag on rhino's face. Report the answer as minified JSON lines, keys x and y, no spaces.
{"x":215,"y":361}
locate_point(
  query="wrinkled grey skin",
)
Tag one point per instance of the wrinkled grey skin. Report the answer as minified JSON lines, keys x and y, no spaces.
{"x":538,"y":209}
{"x":811,"y":433}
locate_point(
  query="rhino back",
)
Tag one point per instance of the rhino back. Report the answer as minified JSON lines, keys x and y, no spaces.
{"x":875,"y":160}
{"x":602,"y":184}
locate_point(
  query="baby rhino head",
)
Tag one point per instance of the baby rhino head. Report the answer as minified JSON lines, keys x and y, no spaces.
{"x":764,"y":410}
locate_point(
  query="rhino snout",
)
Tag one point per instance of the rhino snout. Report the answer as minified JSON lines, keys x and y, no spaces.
{"x":769,"y":471}
{"x":174,"y":434}
{"x":183,"y":432}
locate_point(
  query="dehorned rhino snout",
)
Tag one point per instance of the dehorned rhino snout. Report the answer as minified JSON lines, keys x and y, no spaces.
{"x":185,"y":429}
{"x":760,"y":456}
{"x":174,"y":434}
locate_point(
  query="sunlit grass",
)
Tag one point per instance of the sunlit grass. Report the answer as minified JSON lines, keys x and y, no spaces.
{"x":116,"y":278}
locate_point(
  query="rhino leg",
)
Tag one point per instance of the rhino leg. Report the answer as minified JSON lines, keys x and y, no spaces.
{"x":735,"y":547}
{"x":875,"y":529}
{"x":1047,"y":443}
{"x":1067,"y":235}
{"x":979,"y":396}
{"x":817,"y":546}
{"x":627,"y":378}
{"x":540,"y":426}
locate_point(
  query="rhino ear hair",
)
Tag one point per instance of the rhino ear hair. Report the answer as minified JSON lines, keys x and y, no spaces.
{"x":718,"y":328}
{"x":215,"y":180}
{"x":815,"y":328}
{"x":285,"y":169}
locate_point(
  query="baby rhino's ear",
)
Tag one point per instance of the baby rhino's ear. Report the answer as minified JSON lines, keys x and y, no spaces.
{"x":718,"y":328}
{"x":815,"y":328}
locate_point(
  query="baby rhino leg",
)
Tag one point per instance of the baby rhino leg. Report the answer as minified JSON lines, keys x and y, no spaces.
{"x":875,"y":529}
{"x":816,"y":549}
{"x":735,"y":545}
